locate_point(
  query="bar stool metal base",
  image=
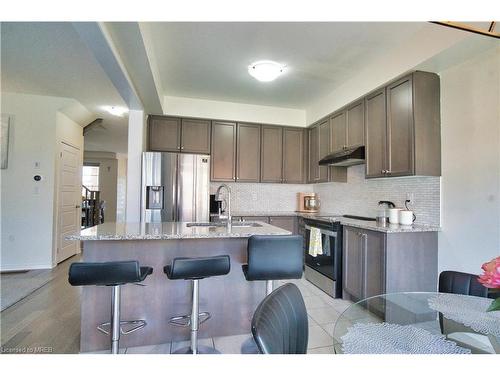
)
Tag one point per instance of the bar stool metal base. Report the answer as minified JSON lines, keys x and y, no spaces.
{"x":201,"y":349}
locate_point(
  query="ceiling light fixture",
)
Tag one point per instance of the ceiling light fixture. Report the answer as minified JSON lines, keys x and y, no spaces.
{"x":116,"y":111}
{"x":266,"y":70}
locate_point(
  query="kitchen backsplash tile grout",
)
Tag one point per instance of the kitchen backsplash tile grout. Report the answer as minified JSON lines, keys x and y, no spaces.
{"x":358,"y":196}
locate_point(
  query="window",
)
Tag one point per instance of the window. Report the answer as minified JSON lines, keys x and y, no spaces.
{"x":90,"y":177}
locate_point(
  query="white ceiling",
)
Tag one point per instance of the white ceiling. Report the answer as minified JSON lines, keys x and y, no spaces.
{"x":51,"y":59}
{"x":210,"y":60}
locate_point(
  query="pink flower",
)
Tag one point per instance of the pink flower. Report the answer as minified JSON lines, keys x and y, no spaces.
{"x":491,"y":274}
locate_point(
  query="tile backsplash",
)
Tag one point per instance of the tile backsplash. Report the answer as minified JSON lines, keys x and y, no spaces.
{"x":263,"y":196}
{"x":358,"y":196}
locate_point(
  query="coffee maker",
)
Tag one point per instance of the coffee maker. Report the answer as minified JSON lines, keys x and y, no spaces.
{"x":308,"y":202}
{"x":215,"y":205}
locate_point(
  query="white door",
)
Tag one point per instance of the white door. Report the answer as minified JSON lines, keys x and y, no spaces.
{"x":69,"y":201}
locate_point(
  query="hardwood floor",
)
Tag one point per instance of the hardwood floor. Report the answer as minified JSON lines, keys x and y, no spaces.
{"x":47,"y":321}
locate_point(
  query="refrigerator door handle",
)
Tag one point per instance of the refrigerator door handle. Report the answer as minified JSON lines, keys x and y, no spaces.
{"x":177,"y":189}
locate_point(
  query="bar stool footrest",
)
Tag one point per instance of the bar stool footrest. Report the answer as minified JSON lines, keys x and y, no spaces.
{"x":178,"y":320}
{"x":136,"y":325}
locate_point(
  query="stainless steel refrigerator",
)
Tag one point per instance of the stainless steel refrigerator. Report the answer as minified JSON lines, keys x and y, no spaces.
{"x":175,"y":187}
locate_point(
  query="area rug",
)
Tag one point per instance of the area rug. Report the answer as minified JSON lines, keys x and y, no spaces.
{"x":16,"y":286}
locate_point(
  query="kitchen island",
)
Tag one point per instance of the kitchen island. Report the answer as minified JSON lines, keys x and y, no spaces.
{"x":230,"y":299}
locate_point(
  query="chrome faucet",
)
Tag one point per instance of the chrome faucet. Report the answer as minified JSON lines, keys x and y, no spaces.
{"x":228,"y":203}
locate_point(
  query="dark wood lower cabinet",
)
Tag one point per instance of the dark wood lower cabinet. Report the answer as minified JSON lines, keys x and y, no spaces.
{"x":288,"y":223}
{"x":375,"y":262}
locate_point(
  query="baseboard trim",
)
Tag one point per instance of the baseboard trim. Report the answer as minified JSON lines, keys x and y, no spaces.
{"x":24,"y":267}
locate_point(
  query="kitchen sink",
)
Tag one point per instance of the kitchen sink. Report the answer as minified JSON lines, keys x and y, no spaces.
{"x":243,"y":224}
{"x":204,"y":224}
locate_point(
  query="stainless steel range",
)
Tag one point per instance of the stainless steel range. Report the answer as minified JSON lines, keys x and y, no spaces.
{"x":323,"y":252}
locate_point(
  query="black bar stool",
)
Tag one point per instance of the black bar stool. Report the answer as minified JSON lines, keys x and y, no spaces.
{"x":113,"y":274}
{"x":195,"y":269}
{"x":272,"y":258}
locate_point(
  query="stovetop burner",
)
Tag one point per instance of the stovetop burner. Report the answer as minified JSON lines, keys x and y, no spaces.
{"x":359,"y":217}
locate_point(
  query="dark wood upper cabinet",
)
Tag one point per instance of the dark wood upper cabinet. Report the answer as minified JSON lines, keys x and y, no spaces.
{"x":347,"y":127}
{"x":271,"y":154}
{"x":338,"y":125}
{"x":313,"y":151}
{"x":293,"y":155}
{"x":376,"y":134}
{"x":195,"y":136}
{"x":356,"y":124}
{"x":403,"y":128}
{"x":324,"y":149}
{"x":172,"y":134}
{"x":164,"y":133}
{"x":248,"y":153}
{"x":223,"y":157}
{"x":400,"y":127}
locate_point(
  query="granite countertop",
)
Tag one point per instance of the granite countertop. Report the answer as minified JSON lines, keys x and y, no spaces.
{"x":389,"y":228}
{"x":362,"y":224}
{"x":170,"y":231}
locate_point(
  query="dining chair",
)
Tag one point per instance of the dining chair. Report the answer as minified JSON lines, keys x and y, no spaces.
{"x":280,"y":324}
{"x":463,"y":283}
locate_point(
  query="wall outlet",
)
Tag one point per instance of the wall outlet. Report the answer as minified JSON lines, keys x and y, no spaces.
{"x":410,"y":197}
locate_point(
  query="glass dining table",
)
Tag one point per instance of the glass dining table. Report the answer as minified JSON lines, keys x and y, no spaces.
{"x":418,"y":323}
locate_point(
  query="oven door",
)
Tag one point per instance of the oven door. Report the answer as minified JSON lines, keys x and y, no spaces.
{"x":323,"y":263}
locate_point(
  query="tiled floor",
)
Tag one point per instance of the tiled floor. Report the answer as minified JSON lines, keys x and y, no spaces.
{"x":323,"y":312}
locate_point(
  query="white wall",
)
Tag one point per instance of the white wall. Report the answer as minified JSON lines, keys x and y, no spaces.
{"x":190,"y":107}
{"x":470,"y":133}
{"x":28,"y":206}
{"x":136,"y":145}
{"x":108,"y":180}
{"x":425,"y":44}
{"x":121,"y":188}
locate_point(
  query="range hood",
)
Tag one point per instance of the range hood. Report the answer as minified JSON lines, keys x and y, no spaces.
{"x":345,"y":158}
